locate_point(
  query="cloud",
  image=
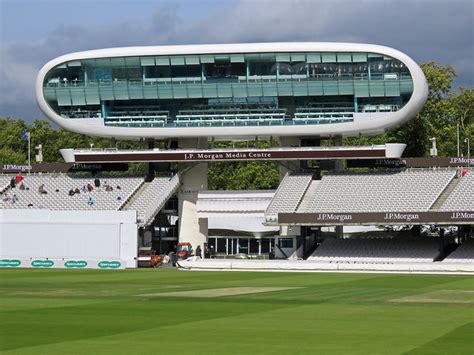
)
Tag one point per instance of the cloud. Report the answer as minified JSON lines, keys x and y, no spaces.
{"x":425,"y":30}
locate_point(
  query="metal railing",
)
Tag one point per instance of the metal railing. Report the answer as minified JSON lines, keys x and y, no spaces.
{"x":147,"y":82}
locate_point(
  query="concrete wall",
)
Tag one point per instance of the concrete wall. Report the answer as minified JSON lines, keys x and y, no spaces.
{"x":61,"y":236}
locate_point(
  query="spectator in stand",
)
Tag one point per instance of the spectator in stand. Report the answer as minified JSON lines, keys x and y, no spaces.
{"x":90,"y":201}
{"x":96,"y":182}
{"x":22,"y":186}
{"x":71,"y":192}
{"x":12,"y":183}
{"x":41,"y":190}
{"x":90,"y":187}
{"x":18,"y":179}
{"x":14,"y":198}
{"x":77,"y":191}
{"x":84,"y":188}
{"x":119,"y":198}
{"x":108,"y":188}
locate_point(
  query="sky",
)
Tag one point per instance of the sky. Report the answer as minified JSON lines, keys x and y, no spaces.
{"x":32,"y":32}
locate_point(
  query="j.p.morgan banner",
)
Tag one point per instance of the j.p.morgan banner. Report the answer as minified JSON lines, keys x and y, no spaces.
{"x":61,"y":167}
{"x":410,"y":162}
{"x":40,"y":263}
{"x":230,"y":155}
{"x":376,"y":218}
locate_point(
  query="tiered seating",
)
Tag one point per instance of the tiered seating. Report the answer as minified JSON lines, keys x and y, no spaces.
{"x":463,"y":254}
{"x":379,"y":108}
{"x":462,"y":197}
{"x":123,"y":188}
{"x":376,"y":250}
{"x":4,"y":182}
{"x":289,"y":193}
{"x":137,"y":116}
{"x":80,"y":113}
{"x":153,"y":197}
{"x":328,"y":107}
{"x":318,"y":113}
{"x":161,"y":81}
{"x":231,"y":116}
{"x":248,"y":103}
{"x":405,"y":191}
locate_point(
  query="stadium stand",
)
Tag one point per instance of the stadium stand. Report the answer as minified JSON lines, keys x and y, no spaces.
{"x":151,"y":198}
{"x":409,"y":190}
{"x":111,"y":195}
{"x":376,"y":250}
{"x":289,"y":193}
{"x":463,"y":254}
{"x":462,"y":197}
{"x":4,"y":182}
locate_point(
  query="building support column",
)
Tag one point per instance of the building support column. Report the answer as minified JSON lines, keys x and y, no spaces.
{"x":441,"y":243}
{"x":191,"y":228}
{"x":339,"y":163}
{"x":289,"y":165}
{"x":304,"y":234}
{"x":103,"y":109}
{"x":149,"y":144}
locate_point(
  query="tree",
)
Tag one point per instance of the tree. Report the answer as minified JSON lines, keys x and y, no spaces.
{"x":463,"y":106}
{"x":10,"y":156}
{"x":251,"y":175}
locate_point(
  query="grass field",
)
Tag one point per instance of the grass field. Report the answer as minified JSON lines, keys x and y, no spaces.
{"x":175,"y":312}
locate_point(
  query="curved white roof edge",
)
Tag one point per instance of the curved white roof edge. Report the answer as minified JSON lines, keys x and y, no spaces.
{"x":375,"y":125}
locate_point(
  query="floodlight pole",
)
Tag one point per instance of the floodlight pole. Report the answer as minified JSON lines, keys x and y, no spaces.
{"x":466,"y":140}
{"x":29,"y":152}
{"x":457,"y":139}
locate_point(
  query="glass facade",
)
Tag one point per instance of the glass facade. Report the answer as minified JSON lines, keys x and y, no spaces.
{"x":228,"y":89}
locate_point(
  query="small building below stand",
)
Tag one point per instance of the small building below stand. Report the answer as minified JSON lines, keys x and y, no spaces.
{"x":235,"y":223}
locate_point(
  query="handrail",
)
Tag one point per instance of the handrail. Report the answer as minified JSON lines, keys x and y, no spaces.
{"x":54,"y":83}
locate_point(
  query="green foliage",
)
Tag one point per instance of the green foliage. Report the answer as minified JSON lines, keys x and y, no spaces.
{"x":250,"y":175}
{"x":440,"y":79}
{"x":463,"y":106}
{"x":51,"y":139}
{"x":11,"y":156}
{"x":415,"y":134}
